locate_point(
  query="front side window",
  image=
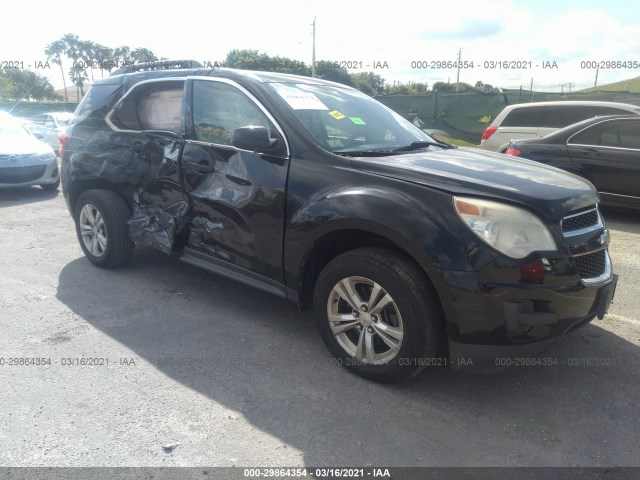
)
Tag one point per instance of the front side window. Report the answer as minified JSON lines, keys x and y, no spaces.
{"x":220,"y":108}
{"x":620,"y":133}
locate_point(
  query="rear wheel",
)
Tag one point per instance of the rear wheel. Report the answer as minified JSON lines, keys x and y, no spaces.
{"x":101,"y":224}
{"x":377,"y":314}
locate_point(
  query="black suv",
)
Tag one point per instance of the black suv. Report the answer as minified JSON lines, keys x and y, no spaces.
{"x":317,"y":193}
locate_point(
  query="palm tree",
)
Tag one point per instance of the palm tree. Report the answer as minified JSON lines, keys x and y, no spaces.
{"x":143,"y":55}
{"x":88,"y":53}
{"x":78,"y":76}
{"x":103,"y":57}
{"x":122,"y":55}
{"x":53,"y":52}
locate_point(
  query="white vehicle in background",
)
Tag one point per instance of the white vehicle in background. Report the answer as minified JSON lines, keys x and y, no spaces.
{"x":25,"y":160}
{"x":49,"y":125}
{"x":535,"y":120}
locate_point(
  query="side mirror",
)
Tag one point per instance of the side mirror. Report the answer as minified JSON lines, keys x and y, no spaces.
{"x":252,"y":137}
{"x":39,"y":136}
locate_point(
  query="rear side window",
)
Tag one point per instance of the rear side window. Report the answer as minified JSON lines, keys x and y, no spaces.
{"x":97,"y":102}
{"x":558,"y":116}
{"x":523,"y":117}
{"x":151,"y":106}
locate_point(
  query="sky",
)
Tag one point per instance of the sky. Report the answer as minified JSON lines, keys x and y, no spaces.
{"x":393,"y":39}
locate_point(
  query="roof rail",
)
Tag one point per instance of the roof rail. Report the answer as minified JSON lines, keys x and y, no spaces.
{"x":158,"y":65}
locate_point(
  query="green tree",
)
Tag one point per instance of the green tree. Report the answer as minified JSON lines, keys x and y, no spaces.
{"x":16,"y":84}
{"x":330,"y":70}
{"x":368,"y":82}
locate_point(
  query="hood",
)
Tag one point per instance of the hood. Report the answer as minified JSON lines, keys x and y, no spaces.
{"x":21,"y":145}
{"x":550,"y":191}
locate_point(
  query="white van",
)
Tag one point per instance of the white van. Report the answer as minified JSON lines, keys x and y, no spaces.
{"x":535,"y":120}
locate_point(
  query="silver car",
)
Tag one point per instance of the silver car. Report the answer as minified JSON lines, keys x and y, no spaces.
{"x":49,"y":125}
{"x":25,"y":160}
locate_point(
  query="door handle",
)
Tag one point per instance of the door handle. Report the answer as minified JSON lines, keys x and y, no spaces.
{"x":590,"y":151}
{"x":201,"y":165}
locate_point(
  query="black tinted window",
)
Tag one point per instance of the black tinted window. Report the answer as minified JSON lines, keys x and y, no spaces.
{"x":558,"y":116}
{"x":623,"y":134}
{"x":98,"y":100}
{"x":590,"y":136}
{"x":219,"y":108}
{"x":615,"y":111}
{"x":620,"y":133}
{"x":523,"y":117}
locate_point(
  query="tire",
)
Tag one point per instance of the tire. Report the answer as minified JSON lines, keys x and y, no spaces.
{"x":102,"y":215}
{"x":50,"y":187}
{"x":397,"y":328}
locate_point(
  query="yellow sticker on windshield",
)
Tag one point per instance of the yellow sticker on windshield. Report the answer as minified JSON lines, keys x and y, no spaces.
{"x":357,"y":120}
{"x":337,"y":115}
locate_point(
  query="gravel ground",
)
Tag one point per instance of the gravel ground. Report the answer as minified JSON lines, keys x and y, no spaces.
{"x":198,"y":370}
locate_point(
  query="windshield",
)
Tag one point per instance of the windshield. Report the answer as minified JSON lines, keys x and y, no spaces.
{"x":346,"y":121}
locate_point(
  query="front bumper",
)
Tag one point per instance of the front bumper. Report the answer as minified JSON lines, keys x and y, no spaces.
{"x":492,"y":325}
{"x":26,"y":174}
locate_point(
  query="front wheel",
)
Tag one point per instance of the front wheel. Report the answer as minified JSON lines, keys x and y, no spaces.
{"x":377,"y":314}
{"x":101,"y":224}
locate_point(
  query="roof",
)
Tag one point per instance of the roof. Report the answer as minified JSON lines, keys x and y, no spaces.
{"x":574,"y":102}
{"x":231,"y":73}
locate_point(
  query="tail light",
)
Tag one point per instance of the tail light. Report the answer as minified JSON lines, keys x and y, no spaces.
{"x":488,"y":132}
{"x":516,"y":152}
{"x":63,"y":138}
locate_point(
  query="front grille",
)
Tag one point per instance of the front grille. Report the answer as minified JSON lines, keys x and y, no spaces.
{"x":580,"y":221}
{"x":21,"y":174}
{"x":14,"y":158}
{"x":592,"y":264}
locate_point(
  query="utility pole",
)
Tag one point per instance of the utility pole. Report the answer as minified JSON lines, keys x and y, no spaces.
{"x":458,"y":76}
{"x":595,"y":84}
{"x":313,"y":49}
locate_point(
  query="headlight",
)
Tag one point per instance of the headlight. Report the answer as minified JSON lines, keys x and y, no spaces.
{"x":47,"y":156}
{"x":511,"y":230}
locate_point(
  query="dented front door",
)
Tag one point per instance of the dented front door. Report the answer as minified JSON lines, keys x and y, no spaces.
{"x":237,"y":196}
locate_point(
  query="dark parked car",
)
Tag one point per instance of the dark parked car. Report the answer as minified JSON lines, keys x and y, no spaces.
{"x":604,"y":150}
{"x":315,"y":192}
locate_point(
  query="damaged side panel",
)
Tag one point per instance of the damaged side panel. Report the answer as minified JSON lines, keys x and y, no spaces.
{"x":160,"y":206}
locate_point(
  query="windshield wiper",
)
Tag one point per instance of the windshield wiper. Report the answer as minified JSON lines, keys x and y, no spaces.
{"x":419,"y":145}
{"x":364,"y":153}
